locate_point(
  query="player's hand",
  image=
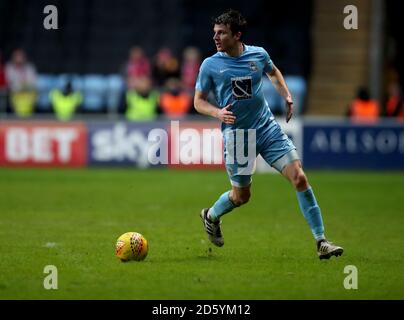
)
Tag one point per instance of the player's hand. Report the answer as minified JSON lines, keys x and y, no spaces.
{"x":225,"y":115}
{"x":289,"y":108}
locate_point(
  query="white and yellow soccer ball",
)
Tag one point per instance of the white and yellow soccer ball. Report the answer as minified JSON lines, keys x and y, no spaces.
{"x":131,"y":246}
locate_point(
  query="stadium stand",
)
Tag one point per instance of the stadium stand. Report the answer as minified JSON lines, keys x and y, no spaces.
{"x":46,"y":83}
{"x":94,"y":92}
{"x":115,"y":90}
{"x":94,"y":39}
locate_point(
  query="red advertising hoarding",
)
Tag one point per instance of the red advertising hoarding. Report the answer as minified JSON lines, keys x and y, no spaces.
{"x":43,"y":144}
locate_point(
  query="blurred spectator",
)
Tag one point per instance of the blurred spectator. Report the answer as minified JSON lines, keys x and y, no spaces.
{"x":190,"y":67}
{"x":363,"y":108}
{"x":175,"y":101}
{"x":3,"y":87}
{"x":138,"y":65}
{"x":65,"y":102}
{"x":141,"y":100}
{"x":21,"y":78}
{"x":165,"y":66}
{"x":395,"y":101}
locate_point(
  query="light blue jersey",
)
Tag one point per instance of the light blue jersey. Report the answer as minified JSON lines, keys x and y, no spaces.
{"x":238,"y":80}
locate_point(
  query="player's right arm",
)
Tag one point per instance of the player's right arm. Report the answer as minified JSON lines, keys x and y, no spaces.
{"x":203,"y":106}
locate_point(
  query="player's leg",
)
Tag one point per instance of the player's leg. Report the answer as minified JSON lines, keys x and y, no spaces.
{"x":240,"y":178}
{"x":305,"y":195}
{"x":279,"y":151}
{"x":290,"y":167}
{"x":229,"y":200}
{"x":293,"y":171}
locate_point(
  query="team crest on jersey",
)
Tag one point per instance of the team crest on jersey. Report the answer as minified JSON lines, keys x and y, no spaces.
{"x":241,"y":87}
{"x":253,"y":66}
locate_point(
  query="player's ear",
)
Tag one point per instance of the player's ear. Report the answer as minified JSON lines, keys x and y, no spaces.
{"x":237,"y":35}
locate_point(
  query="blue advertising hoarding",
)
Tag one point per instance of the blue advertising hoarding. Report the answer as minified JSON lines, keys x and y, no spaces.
{"x":123,"y":143}
{"x":352,"y":146}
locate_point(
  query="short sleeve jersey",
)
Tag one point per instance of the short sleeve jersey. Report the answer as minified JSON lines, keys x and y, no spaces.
{"x":238,"y":80}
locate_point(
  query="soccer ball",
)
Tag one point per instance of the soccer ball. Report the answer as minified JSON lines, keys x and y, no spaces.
{"x":131,"y":246}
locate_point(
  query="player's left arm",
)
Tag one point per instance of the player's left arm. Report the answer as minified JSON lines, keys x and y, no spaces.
{"x":279,"y":83}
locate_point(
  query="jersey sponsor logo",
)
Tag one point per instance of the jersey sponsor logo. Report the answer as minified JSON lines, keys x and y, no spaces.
{"x":253,"y":66}
{"x":241,"y":87}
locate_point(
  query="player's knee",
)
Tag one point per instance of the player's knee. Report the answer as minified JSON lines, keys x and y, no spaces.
{"x":300,"y":181}
{"x":240,"y":199}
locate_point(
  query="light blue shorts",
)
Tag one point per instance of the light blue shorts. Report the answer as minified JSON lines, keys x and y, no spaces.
{"x":270,"y":142}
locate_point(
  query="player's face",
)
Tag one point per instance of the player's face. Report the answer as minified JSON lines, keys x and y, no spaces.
{"x":224,"y":38}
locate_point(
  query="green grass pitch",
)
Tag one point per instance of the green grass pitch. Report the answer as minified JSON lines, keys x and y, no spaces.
{"x":71,"y":219}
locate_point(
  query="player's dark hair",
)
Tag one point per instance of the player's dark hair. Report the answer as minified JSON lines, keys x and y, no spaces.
{"x":234,"y":19}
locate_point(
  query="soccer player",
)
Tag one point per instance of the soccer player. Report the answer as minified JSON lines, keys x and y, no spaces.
{"x":234,"y":75}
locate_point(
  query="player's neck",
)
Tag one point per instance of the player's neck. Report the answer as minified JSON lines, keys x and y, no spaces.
{"x":236,"y":50}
